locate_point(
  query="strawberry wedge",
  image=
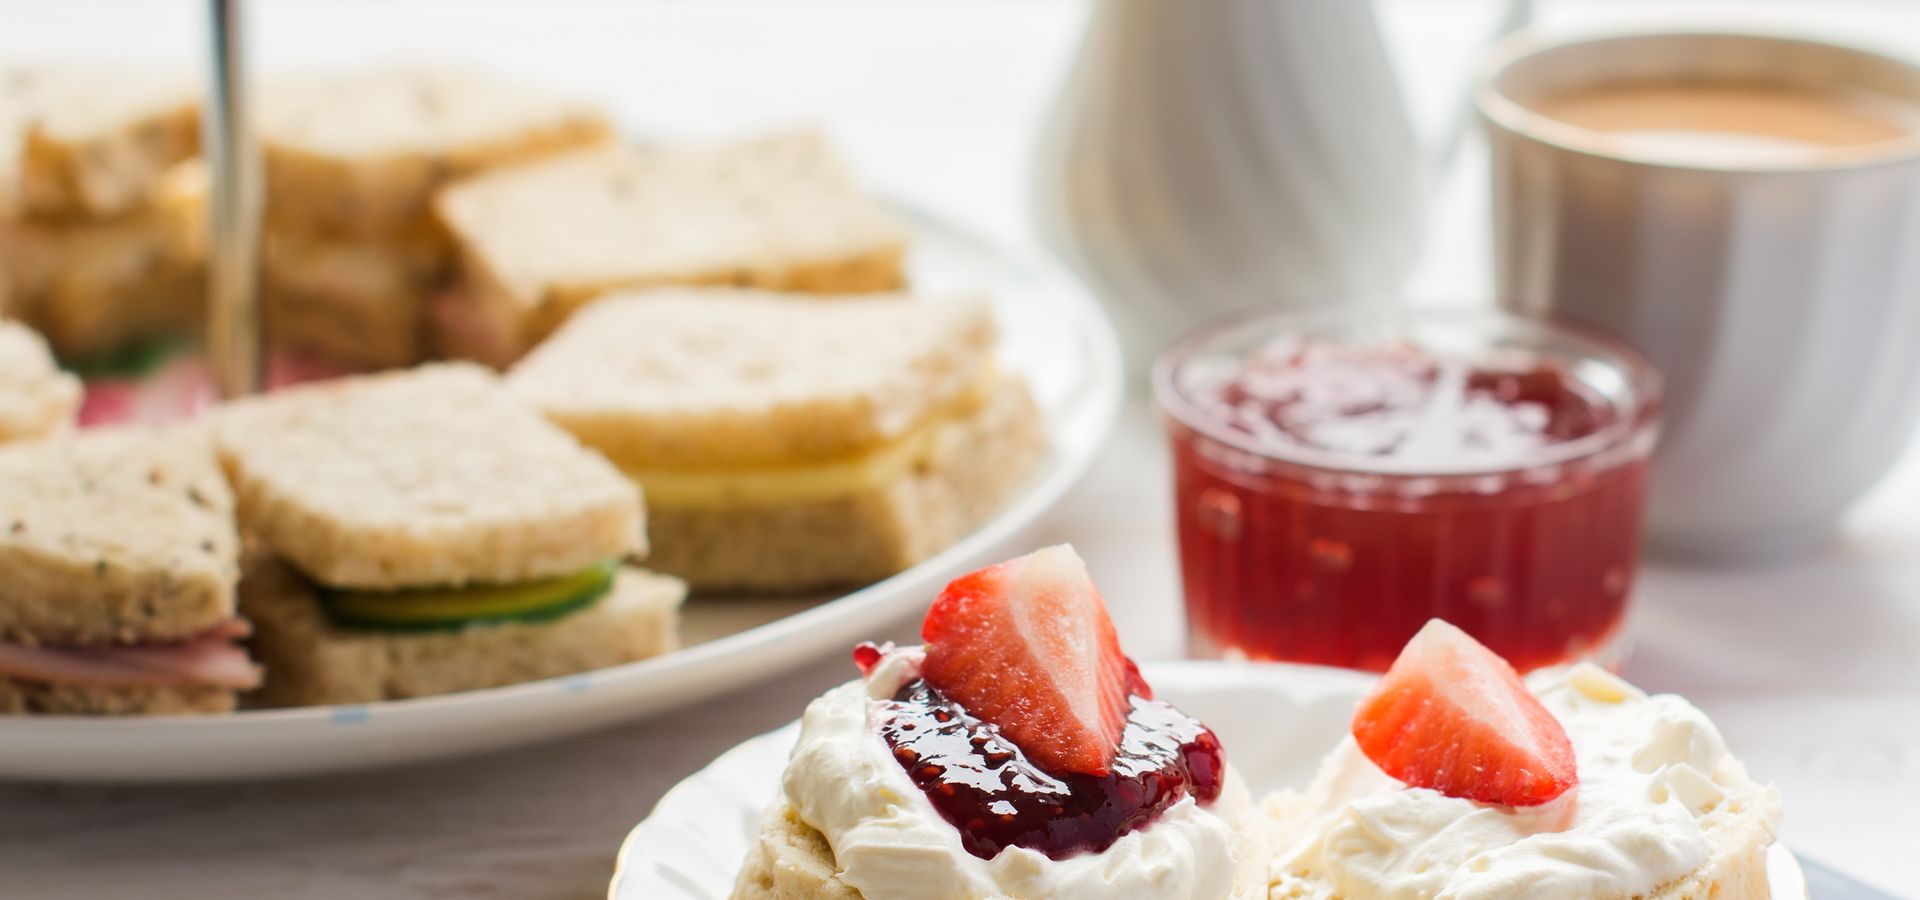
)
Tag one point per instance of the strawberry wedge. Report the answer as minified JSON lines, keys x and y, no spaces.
{"x":1453,"y":716}
{"x":1027,"y":645}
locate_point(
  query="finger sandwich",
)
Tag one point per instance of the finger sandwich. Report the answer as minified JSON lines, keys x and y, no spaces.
{"x":363,"y":152}
{"x":91,"y":142}
{"x":788,"y":442}
{"x":353,"y":160}
{"x":36,"y":398}
{"x":423,"y":533}
{"x":95,"y":286}
{"x":539,"y":241}
{"x":354,"y":301}
{"x":118,"y":558}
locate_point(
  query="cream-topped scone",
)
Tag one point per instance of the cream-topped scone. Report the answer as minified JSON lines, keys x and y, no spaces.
{"x":1017,"y":754}
{"x":1482,"y":807}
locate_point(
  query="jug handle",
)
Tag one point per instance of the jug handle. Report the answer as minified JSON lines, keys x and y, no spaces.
{"x":1518,"y":15}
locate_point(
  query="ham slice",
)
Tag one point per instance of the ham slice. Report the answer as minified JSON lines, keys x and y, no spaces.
{"x":466,"y":332}
{"x":182,"y":388}
{"x":210,"y":658}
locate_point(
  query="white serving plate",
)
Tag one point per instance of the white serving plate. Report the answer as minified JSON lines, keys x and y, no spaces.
{"x":1053,"y":334}
{"x":1275,"y":720}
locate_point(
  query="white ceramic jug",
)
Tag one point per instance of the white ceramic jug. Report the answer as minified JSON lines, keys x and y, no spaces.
{"x":1216,"y":155}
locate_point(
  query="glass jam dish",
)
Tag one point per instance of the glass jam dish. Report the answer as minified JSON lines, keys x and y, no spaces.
{"x":1341,"y":477}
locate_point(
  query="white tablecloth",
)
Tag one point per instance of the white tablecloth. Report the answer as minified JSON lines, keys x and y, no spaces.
{"x":1812,"y":668}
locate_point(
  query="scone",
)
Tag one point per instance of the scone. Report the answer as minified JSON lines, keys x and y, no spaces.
{"x":1017,"y":754}
{"x":789,"y":442}
{"x":1459,"y":781}
{"x":36,"y":398}
{"x":538,"y":242}
{"x":91,"y":142}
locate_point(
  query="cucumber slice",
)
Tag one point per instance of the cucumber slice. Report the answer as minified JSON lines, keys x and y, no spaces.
{"x":434,"y":609}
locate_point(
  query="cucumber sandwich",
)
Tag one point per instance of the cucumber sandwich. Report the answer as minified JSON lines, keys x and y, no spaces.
{"x":421,"y":532}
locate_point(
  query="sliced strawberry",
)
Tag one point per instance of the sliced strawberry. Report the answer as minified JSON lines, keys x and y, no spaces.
{"x":1453,"y":716}
{"x":1027,"y":645}
{"x":868,"y":654}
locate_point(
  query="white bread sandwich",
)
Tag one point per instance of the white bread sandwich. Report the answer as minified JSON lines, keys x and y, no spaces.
{"x":36,"y":398}
{"x":432,"y":536}
{"x":1460,"y":780}
{"x":539,"y":241}
{"x":95,"y":288}
{"x":362,"y":153}
{"x":118,"y":558}
{"x":789,"y":442}
{"x":356,"y":301}
{"x":91,"y":142}
{"x":354,"y":254}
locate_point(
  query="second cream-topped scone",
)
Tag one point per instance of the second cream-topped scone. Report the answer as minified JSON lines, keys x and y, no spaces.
{"x":1017,"y":754}
{"x":1582,"y":787}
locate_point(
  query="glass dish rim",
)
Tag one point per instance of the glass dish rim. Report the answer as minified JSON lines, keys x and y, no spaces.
{"x":1642,"y":379}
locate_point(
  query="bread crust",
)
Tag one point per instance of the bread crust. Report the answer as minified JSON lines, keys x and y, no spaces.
{"x":359,"y":331}
{"x":708,"y":379}
{"x":92,"y":142}
{"x":363,"y":154}
{"x":116,"y":535}
{"x":94,"y":287}
{"x":358,"y":302}
{"x":974,"y":466}
{"x":19,"y":696}
{"x":309,"y":661}
{"x":427,"y":477}
{"x":777,"y":213}
{"x":36,"y":398}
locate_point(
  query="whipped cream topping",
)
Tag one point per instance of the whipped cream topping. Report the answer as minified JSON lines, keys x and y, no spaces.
{"x":889,"y":841}
{"x":1650,"y":769}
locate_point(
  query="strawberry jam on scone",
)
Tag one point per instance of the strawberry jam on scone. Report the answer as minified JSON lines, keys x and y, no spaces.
{"x":1018,"y":753}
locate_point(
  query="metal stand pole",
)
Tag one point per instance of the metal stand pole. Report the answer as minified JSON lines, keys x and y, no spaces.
{"x":233,"y":211}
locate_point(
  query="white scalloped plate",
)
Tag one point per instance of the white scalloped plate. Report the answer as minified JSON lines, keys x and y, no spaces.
{"x":1052,"y":333}
{"x":1275,"y":721}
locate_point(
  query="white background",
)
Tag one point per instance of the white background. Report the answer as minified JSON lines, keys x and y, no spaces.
{"x":1811,"y":668}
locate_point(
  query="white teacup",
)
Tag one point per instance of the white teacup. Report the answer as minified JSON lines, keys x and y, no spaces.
{"x":1773,"y":279}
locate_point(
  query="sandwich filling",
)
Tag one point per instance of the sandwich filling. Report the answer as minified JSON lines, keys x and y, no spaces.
{"x":447,"y":608}
{"x":212,"y":658}
{"x":810,"y":480}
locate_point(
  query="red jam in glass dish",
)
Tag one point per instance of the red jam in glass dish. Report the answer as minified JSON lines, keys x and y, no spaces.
{"x":1341,"y":478}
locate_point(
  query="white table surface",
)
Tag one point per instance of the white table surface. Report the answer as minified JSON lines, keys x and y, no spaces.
{"x":1811,"y":668}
